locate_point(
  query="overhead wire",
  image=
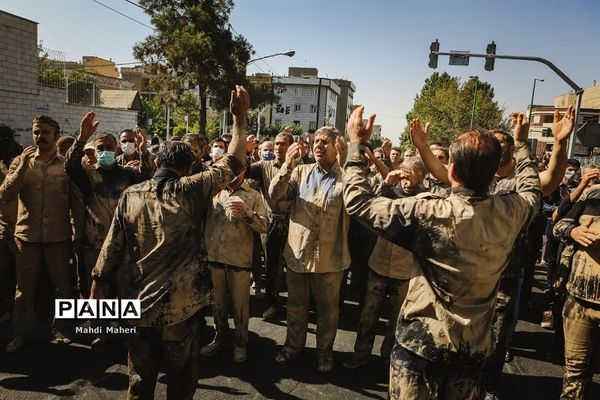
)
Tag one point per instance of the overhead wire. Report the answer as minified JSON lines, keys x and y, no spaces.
{"x":124,"y":15}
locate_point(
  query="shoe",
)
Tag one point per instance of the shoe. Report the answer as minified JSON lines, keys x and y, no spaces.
{"x":548,"y":320}
{"x":355,"y":362}
{"x":59,"y":338}
{"x":324,"y":365}
{"x":273,"y":312}
{"x":239,"y":354}
{"x":508,"y":356}
{"x":213,"y":348}
{"x":284,"y":357}
{"x":16,"y":344}
{"x":98,"y":345}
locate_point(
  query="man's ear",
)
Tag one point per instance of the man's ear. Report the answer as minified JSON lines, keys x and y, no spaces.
{"x":452,"y":175}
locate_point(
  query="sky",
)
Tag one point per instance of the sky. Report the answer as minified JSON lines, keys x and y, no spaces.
{"x":382,"y":46}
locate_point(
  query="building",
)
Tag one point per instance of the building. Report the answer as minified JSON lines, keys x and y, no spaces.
{"x":23,"y":94}
{"x":305,"y":99}
{"x":100,"y":66}
{"x":590,"y":98}
{"x":541,"y":126}
{"x":263,"y":81}
{"x":345,"y":103}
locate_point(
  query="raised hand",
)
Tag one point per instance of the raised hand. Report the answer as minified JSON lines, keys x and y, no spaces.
{"x":292,"y":153}
{"x":521,"y":126}
{"x":240,"y":102}
{"x":141,"y":139}
{"x":358,"y":131}
{"x":562,"y":128}
{"x":387,"y":147}
{"x":418,"y":135}
{"x":26,"y":155}
{"x":342,"y":150}
{"x":88,"y":126}
{"x":394,"y":177}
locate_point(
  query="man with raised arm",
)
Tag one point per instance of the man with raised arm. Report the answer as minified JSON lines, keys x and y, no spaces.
{"x":158,"y":223}
{"x":461,"y":242}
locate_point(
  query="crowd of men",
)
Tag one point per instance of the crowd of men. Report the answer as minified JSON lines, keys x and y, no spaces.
{"x":448,"y":237}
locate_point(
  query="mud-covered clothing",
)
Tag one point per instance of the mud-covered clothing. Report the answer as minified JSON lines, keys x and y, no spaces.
{"x":101,"y":188}
{"x":230,"y":239}
{"x":263,"y":172}
{"x":584,"y":279}
{"x":157,"y":223}
{"x":462,"y":243}
{"x":45,"y":199}
{"x":435,"y":186}
{"x":318,"y":234}
{"x":8,"y":209}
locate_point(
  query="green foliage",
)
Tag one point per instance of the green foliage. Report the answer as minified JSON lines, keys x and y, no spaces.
{"x":195,"y":39}
{"x":447,"y":104}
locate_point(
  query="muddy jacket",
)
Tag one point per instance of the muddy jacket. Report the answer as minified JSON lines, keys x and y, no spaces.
{"x":8,"y":210}
{"x":318,"y":233}
{"x":462,"y":243}
{"x":584,"y":279}
{"x":157,"y":224}
{"x":263,"y":172}
{"x":101,"y":188}
{"x":45,"y":200}
{"x":230,"y":239}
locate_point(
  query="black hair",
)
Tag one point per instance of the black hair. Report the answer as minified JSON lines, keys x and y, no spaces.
{"x":176,"y":155}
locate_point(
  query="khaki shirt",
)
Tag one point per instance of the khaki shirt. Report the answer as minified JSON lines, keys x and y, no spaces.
{"x":584,"y":279}
{"x":263,"y":172}
{"x":44,"y":192}
{"x":8,"y":210}
{"x":101,"y":188}
{"x":318,"y":234}
{"x":462,"y":244}
{"x":230,"y":239}
{"x":157,"y":223}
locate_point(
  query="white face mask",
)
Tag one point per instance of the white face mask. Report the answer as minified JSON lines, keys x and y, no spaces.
{"x":217,"y":152}
{"x":569,"y":174}
{"x":128,"y":148}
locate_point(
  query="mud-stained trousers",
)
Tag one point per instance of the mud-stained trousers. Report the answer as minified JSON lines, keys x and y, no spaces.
{"x":378,"y":288}
{"x":504,"y":315}
{"x":231,"y":283}
{"x":581,"y":326}
{"x":276,"y":240}
{"x":415,"y":378}
{"x":30,"y":257}
{"x":8,"y":279}
{"x":174,"y":346}
{"x":325,"y":290}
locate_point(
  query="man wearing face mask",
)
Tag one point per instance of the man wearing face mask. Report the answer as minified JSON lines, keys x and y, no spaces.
{"x":217,"y":150}
{"x":101,"y":185}
{"x":266,"y":151}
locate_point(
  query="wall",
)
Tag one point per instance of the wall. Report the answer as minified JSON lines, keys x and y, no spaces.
{"x":22,"y":98}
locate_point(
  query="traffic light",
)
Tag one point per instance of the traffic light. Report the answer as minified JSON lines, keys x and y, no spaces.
{"x":489,"y":62}
{"x":433,"y":57}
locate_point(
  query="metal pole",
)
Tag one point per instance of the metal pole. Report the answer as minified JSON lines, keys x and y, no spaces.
{"x":474,"y":103}
{"x":258,"y":123}
{"x":531,"y":102}
{"x":168,"y":122}
{"x":571,"y":149}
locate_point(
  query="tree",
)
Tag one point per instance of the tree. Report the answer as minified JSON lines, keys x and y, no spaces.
{"x":447,"y":104}
{"x":194,"y":38}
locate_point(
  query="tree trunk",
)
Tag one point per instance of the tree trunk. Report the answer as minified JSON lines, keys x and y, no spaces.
{"x":202,"y":96}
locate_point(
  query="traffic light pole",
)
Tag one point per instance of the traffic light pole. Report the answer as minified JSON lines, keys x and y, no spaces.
{"x":578,"y":90}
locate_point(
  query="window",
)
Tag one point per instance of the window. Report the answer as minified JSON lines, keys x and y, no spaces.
{"x":296,"y":107}
{"x":296,"y":122}
{"x":296,"y":91}
{"x":312,"y":126}
{"x":315,"y":91}
{"x":547,"y":119}
{"x":280,"y":90}
{"x":313,"y":108}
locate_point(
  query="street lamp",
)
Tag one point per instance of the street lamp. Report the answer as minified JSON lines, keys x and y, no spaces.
{"x":287,"y":53}
{"x":531,"y":103}
{"x":474,"y":99}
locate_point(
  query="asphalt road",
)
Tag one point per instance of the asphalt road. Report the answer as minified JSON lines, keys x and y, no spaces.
{"x":44,"y":370}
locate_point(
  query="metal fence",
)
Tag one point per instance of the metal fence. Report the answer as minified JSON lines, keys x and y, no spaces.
{"x":80,"y":87}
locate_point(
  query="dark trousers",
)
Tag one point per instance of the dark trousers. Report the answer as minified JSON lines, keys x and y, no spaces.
{"x":361,"y":242}
{"x":504,"y":315}
{"x":175,"y":346}
{"x":415,"y":378}
{"x":8,"y":278}
{"x":276,"y":240}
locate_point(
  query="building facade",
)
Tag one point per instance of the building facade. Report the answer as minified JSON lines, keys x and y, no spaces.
{"x":345,"y":103}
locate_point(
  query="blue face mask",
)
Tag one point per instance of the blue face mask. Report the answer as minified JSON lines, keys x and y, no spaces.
{"x":268,"y":155}
{"x":106,"y":158}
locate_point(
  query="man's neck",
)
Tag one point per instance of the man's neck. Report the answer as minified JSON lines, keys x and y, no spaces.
{"x":504,"y":171}
{"x":326,"y":166}
{"x":47,"y":156}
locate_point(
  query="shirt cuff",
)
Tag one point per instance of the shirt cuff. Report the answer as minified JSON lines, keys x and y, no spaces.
{"x":356,"y":154}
